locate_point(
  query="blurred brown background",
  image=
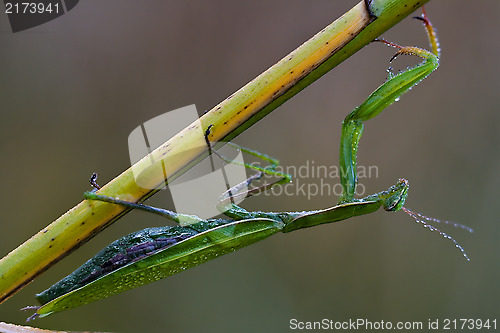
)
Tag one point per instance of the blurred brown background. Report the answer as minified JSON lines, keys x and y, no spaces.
{"x":73,"y":89}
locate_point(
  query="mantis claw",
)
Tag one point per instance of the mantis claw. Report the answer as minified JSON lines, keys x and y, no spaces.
{"x":93,"y":181}
{"x":31,"y":307}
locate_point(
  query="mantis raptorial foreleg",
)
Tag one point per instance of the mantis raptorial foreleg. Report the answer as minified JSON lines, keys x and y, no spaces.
{"x":385,"y":95}
{"x":154,"y":253}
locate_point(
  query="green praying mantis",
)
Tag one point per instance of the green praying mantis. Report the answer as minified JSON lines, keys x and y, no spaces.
{"x":155,"y":253}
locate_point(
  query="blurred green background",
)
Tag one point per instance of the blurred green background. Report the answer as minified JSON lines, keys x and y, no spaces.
{"x":73,"y":89}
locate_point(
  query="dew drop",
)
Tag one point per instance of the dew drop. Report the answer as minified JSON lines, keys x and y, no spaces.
{"x":421,"y":219}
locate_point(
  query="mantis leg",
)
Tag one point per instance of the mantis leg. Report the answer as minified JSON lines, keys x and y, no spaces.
{"x":268,"y":170}
{"x":225,"y":205}
{"x":260,"y":171}
{"x":385,"y":95}
{"x":171,"y":215}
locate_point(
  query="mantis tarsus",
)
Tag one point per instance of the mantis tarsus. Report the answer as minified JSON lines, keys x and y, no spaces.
{"x":154,"y":253}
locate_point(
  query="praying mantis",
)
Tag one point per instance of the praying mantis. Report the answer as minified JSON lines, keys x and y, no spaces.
{"x":155,"y":253}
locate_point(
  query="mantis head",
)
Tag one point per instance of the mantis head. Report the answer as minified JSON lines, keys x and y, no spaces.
{"x":394,"y":198}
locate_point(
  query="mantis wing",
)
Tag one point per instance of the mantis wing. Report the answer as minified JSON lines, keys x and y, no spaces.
{"x":185,"y":254}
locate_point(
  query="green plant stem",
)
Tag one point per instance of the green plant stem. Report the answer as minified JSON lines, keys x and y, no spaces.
{"x":304,"y":65}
